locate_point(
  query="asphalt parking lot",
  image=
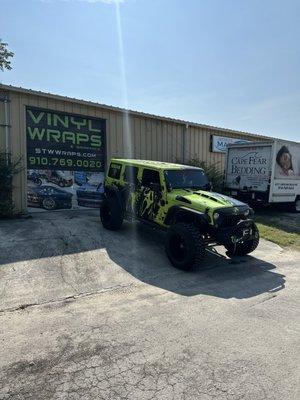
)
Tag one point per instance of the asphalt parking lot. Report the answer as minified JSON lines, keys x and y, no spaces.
{"x":91,"y":314}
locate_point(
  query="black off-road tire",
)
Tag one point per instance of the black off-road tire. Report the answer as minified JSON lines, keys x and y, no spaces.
{"x":242,"y":249}
{"x":111,"y":214}
{"x":185,"y":246}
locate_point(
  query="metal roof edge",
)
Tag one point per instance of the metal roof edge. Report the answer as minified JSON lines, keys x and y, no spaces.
{"x":123,"y":110}
{"x":264,"y":143}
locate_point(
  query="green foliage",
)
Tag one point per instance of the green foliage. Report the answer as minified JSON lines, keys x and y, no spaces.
{"x":213,"y":172}
{"x":5,"y":56}
{"x":8,"y":168}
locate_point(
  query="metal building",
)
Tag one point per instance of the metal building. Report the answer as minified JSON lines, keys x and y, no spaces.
{"x":127,"y":133}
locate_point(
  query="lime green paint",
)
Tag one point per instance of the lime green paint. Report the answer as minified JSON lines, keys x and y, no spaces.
{"x":63,"y":137}
{"x":77,"y":123}
{"x":35,"y":119}
{"x":36,"y":133}
{"x":158,"y":165}
{"x":200,"y":200}
{"x":90,"y":125}
{"x":64,"y":121}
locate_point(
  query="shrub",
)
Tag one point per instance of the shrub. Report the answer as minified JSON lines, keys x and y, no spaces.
{"x":8,"y":168}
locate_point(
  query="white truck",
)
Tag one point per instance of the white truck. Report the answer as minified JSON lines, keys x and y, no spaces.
{"x":265,"y":172}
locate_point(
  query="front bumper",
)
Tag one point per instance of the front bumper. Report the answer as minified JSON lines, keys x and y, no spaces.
{"x":241,"y":232}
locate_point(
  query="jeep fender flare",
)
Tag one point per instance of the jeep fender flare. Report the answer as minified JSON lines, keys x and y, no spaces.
{"x":185,"y":214}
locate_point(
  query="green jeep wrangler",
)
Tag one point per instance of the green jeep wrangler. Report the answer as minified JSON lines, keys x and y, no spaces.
{"x":177,"y":198}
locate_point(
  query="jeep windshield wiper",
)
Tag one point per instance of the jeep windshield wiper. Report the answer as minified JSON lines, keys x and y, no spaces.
{"x":198,"y":187}
{"x":186,"y":189}
{"x":182,"y":188}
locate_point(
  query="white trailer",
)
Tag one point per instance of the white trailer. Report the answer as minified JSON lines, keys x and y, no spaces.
{"x":265,"y":172}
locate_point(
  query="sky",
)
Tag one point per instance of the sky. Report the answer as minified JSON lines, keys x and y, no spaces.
{"x":228,"y":63}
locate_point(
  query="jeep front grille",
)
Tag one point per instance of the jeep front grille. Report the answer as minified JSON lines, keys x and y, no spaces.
{"x":230,"y":220}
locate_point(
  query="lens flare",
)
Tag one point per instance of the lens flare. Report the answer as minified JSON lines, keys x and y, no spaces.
{"x":127,"y":140}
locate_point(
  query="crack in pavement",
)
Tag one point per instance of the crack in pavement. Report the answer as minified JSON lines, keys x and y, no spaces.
{"x":119,"y":369}
{"x":70,"y":298}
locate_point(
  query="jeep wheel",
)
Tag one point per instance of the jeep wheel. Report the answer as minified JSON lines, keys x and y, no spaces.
{"x":185,"y":246}
{"x":111,"y":214}
{"x":241,"y":249}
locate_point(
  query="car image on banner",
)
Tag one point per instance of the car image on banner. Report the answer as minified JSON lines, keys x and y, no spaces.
{"x":89,"y":194}
{"x":35,"y":177}
{"x":80,"y":177}
{"x":60,"y":178}
{"x":48,"y":198}
{"x":63,"y":190}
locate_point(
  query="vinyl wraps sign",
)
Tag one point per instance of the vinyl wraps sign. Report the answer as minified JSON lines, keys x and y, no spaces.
{"x":61,"y":141}
{"x":66,"y":156}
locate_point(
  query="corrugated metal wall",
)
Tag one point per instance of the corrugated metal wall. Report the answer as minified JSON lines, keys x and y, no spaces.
{"x":4,"y":120}
{"x":135,"y":136}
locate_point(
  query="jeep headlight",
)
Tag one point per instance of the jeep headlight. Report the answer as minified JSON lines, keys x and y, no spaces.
{"x":216,"y":216}
{"x":247,"y":212}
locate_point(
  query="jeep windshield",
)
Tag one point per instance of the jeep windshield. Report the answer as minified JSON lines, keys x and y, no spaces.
{"x":187,"y":179}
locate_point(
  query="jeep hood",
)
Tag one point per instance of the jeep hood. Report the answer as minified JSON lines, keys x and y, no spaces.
{"x":209,"y":199}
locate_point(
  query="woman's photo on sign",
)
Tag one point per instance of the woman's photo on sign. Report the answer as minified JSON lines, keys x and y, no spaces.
{"x":287,"y":163}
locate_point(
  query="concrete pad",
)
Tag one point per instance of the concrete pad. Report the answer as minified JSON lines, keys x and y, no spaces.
{"x":91,"y":314}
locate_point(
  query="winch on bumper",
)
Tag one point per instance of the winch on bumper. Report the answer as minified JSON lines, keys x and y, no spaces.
{"x":241,"y":232}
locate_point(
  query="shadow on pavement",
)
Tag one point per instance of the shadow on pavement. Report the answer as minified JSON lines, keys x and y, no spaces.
{"x":137,"y":249}
{"x":145,"y":259}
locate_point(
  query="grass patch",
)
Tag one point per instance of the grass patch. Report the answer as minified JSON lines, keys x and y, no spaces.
{"x":280,"y":237}
{"x":280,"y":228}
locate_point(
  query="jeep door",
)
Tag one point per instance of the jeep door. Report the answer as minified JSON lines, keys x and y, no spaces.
{"x":150,"y":195}
{"x":132,"y":184}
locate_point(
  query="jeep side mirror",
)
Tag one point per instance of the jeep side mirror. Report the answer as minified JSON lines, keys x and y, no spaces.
{"x":155,"y":187}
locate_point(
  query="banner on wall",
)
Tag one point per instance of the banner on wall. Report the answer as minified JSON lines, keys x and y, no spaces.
{"x":219,"y":143}
{"x":66,"y":156}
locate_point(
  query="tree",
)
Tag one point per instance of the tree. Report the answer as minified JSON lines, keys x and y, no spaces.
{"x":5,"y":56}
